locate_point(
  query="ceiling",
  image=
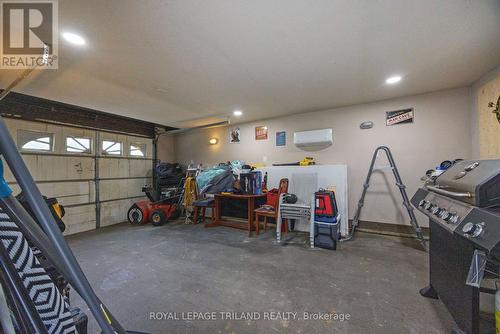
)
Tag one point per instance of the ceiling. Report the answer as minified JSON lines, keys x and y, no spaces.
{"x":189,"y":62}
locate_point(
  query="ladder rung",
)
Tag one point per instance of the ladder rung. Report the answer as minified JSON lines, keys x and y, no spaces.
{"x":383,"y":168}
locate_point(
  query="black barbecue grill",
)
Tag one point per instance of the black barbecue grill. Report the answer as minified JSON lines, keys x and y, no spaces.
{"x":463,"y":207}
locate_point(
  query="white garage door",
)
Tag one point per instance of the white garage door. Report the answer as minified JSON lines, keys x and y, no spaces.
{"x":63,"y":162}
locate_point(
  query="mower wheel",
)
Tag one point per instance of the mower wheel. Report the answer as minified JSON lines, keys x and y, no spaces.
{"x":135,"y":215}
{"x":157,"y":218}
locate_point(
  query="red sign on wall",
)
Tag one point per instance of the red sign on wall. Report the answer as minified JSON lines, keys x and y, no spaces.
{"x":261,"y":132}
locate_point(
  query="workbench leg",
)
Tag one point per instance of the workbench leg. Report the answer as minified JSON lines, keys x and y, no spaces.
{"x":218,"y":213}
{"x":216,"y":220}
{"x":250,"y":215}
{"x":257,"y":223}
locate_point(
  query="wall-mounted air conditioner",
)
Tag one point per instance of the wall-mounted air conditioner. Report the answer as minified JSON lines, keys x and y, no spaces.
{"x":313,"y":138}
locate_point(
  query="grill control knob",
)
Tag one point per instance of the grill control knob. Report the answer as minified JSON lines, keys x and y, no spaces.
{"x":428,"y":206}
{"x":473,"y":230}
{"x":454,"y":219}
{"x":436,"y":211}
{"x":445,"y":215}
{"x":422,"y":203}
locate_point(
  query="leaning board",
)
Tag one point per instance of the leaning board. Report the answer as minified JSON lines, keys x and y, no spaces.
{"x":489,"y":127}
{"x":304,"y":181}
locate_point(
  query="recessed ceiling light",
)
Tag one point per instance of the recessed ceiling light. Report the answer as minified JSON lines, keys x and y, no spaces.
{"x":74,"y":38}
{"x":393,"y":80}
{"x":237,"y":113}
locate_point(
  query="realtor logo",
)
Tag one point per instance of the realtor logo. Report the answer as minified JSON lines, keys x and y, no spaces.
{"x":29,"y":34}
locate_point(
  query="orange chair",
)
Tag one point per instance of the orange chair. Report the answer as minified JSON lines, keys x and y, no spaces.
{"x":271,"y":212}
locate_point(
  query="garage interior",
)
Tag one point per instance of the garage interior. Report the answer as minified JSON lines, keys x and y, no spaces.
{"x":250,"y":166}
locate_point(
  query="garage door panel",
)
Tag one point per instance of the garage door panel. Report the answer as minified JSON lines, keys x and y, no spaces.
{"x":31,"y":162}
{"x":117,"y":189}
{"x":70,"y":192}
{"x":79,"y":167}
{"x":67,"y":193}
{"x":140,"y":168}
{"x":79,"y":219}
{"x":134,"y":186}
{"x":113,"y":167}
{"x":75,"y":199}
{"x":112,"y":189}
{"x":116,"y":212}
{"x":50,"y":168}
{"x":60,"y":167}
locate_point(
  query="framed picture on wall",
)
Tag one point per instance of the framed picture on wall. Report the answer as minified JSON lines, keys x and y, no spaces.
{"x":396,"y":117}
{"x":280,"y":138}
{"x":260,"y":132}
{"x":234,"y":136}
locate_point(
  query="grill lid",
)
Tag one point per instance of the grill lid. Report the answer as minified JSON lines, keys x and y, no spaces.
{"x":476,"y":182}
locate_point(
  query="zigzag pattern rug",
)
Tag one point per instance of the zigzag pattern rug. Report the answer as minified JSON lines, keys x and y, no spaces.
{"x":53,"y":309}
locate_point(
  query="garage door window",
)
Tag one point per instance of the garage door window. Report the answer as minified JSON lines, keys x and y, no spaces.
{"x":78,"y":145}
{"x":35,"y":141}
{"x":138,"y":150}
{"x":111,"y":147}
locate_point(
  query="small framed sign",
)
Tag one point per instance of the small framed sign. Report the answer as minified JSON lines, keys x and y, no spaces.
{"x":402,"y":116}
{"x":281,"y":138}
{"x":260,"y":132}
{"x":234,"y":136}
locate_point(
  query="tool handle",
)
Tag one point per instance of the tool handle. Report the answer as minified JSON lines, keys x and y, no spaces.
{"x":450,"y":193}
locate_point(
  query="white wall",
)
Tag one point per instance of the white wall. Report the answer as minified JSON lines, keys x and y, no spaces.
{"x":441,"y":131}
{"x":166,"y":148}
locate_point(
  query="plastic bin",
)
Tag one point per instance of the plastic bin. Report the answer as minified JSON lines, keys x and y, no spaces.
{"x":326,"y":235}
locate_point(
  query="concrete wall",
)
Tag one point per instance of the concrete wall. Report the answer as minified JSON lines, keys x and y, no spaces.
{"x":441,"y":131}
{"x":70,"y":177}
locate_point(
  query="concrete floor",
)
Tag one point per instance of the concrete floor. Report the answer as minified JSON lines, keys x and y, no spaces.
{"x":179,"y":268}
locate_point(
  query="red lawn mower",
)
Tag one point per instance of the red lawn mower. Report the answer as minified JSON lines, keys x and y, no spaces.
{"x":158,"y":208}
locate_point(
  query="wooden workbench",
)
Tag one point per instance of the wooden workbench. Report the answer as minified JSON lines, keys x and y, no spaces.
{"x":251,"y":207}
